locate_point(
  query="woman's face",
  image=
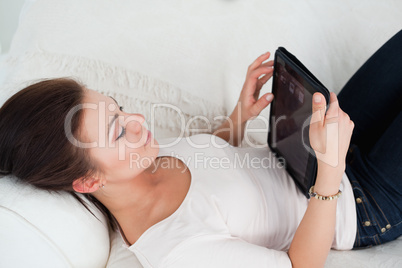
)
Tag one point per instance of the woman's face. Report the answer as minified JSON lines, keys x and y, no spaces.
{"x":120,"y":145}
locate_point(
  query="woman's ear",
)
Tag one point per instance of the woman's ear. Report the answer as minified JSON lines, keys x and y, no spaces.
{"x":86,"y":185}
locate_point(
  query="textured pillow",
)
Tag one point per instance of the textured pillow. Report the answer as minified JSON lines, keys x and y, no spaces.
{"x":169,"y":111}
{"x":42,"y":229}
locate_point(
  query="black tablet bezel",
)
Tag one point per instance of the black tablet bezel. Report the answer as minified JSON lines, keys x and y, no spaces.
{"x":312,"y":85}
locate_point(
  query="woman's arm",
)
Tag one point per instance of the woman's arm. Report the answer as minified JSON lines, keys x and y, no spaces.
{"x":249,"y":104}
{"x":232,"y":129}
{"x":329,"y":137}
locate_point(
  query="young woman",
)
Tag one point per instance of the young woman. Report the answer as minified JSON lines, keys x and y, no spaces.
{"x":194,"y":205}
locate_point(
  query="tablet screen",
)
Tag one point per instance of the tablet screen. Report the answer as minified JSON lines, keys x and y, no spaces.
{"x":290,"y":118}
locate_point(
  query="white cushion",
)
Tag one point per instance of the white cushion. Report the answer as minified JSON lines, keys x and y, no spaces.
{"x":43,"y":229}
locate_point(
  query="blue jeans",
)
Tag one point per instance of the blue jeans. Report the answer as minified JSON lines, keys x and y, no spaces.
{"x":373,"y":100}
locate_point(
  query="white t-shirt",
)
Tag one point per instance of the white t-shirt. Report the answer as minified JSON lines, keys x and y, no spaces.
{"x":242,"y":210}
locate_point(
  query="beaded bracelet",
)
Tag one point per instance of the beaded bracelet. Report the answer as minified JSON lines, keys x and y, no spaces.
{"x":321,"y":197}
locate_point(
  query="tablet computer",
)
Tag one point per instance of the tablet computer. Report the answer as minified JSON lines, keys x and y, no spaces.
{"x":288,"y":136}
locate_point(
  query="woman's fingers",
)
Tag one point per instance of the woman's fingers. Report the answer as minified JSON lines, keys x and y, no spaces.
{"x":268,"y":63}
{"x":330,"y":132}
{"x":258,"y":73}
{"x":262,"y":69}
{"x":265,"y":78}
{"x":335,"y":113}
{"x":254,"y":85}
{"x":259,"y":61}
{"x":261,"y":104}
{"x":333,"y":110}
{"x":261,"y":74}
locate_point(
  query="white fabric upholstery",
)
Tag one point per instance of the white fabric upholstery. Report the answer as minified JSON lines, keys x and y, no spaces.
{"x":42,"y":229}
{"x":190,"y":54}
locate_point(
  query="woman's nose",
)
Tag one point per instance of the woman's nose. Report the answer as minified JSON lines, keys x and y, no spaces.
{"x":134,"y":122}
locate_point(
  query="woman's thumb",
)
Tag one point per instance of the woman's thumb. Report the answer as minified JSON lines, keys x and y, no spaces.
{"x":319,"y":107}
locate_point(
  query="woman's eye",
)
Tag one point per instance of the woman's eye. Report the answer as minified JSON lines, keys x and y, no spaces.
{"x":122,"y":132}
{"x":121,"y":108}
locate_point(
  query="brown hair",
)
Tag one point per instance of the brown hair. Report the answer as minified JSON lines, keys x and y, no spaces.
{"x":33,"y":143}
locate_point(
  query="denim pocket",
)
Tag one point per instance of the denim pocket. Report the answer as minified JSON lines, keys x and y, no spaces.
{"x":366,"y":221}
{"x":378,"y":209}
{"x":365,"y":212}
{"x":371,"y":221}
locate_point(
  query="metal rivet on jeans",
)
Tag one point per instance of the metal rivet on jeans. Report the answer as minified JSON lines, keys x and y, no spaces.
{"x":359,"y":200}
{"x":388,"y":226}
{"x":367,"y":223}
{"x":383,"y":230}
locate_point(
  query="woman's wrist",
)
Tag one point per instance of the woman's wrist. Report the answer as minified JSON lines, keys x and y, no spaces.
{"x":238,"y":125}
{"x":232,"y":130}
{"x":328,"y":180}
{"x":326,"y":190}
{"x":238,"y":115}
{"x":313,"y":193}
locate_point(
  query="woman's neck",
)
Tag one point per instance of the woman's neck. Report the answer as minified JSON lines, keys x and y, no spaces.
{"x":147,"y":199}
{"x":136,"y":194}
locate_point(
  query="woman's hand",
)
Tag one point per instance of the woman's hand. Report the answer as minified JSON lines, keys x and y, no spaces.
{"x":249,"y":104}
{"x":330,"y":135}
{"x":258,"y":73}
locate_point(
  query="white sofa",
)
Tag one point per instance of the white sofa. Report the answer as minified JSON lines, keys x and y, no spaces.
{"x":172,"y":61}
